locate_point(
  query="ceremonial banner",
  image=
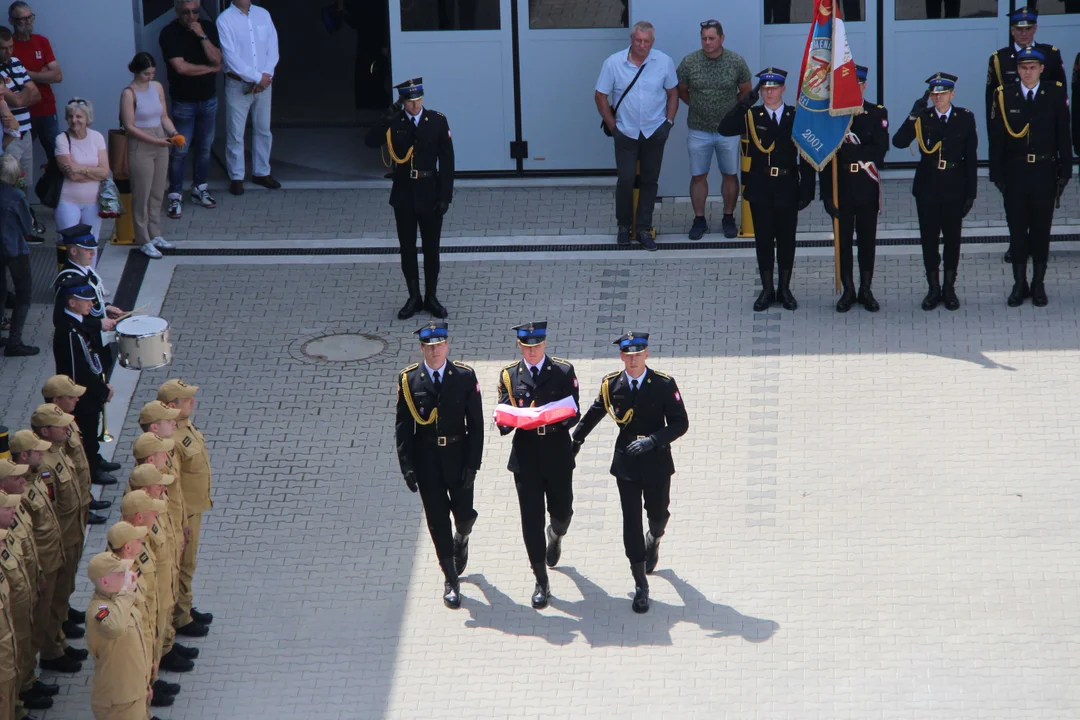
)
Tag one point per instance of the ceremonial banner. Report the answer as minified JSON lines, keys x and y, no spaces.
{"x":530,"y":418}
{"x":829,"y":91}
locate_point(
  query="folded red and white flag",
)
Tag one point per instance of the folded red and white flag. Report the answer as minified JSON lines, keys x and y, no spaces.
{"x":530,"y":418}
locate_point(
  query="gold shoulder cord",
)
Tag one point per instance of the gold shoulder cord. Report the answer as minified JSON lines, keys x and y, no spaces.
{"x":605,"y":393}
{"x":1005,"y":120}
{"x":997,"y":70}
{"x":922,"y":145}
{"x":407,"y":394}
{"x":753,"y":134}
{"x":393,"y":155}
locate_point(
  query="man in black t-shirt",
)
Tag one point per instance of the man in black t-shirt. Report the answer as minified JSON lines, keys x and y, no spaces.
{"x":192,"y":55}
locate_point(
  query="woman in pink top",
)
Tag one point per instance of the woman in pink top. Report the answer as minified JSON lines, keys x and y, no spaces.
{"x":84,"y":161}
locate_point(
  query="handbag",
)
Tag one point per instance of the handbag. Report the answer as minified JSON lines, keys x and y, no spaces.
{"x":109,"y":199}
{"x":615,"y":111}
{"x":50,"y":184}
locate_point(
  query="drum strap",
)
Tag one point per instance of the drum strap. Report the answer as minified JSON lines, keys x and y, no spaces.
{"x":91,"y":357}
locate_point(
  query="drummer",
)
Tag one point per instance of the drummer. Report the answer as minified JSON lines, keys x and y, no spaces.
{"x":81,"y":248}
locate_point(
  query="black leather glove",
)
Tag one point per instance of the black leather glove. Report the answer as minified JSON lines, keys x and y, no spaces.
{"x":1061,"y":183}
{"x":968,"y":204}
{"x":410,"y":481}
{"x":575,"y":446}
{"x":643,"y":445}
{"x":919,"y":105}
{"x":442,"y":207}
{"x":805,"y":203}
{"x":468,"y":477}
{"x":752,"y":97}
{"x":830,"y":208}
{"x":392,"y":113}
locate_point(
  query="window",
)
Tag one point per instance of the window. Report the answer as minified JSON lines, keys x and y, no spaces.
{"x":783,"y":12}
{"x":1055,"y":7}
{"x":945,"y":9}
{"x":553,"y":14}
{"x":419,"y":15}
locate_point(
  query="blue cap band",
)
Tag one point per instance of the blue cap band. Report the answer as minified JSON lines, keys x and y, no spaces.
{"x":1030,"y":54}
{"x":633,"y":342}
{"x":535,"y":333}
{"x":86,"y":241}
{"x":428,"y":333}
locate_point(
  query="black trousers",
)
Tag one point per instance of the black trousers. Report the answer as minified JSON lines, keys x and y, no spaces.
{"x":940,"y":218}
{"x":430,"y":225}
{"x":440,"y":501}
{"x":87,"y":416}
{"x":774,"y":232}
{"x":649,"y":151}
{"x":21,"y":275}
{"x":860,"y":220}
{"x":1030,"y":214}
{"x":532,"y":489}
{"x":656,"y":494}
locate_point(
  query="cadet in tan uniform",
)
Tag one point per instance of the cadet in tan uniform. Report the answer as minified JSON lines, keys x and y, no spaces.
{"x":195,"y":485}
{"x":50,"y":423}
{"x":9,"y":671}
{"x":122,"y":663}
{"x":28,"y":449}
{"x":63,"y":392}
{"x":19,"y":576}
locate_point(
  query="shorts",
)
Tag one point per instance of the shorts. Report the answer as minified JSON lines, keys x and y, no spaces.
{"x":701,"y":145}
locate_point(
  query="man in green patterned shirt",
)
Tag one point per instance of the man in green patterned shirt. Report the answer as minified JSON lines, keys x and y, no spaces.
{"x":712,"y":80}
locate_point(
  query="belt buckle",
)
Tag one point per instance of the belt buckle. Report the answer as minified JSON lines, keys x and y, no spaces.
{"x":774,"y":172}
{"x":942,"y":165}
{"x":414,"y":174}
{"x":854,"y":167}
{"x":1031,"y":157}
{"x":641,"y":437}
{"x":542,"y":430}
{"x":441,"y":441}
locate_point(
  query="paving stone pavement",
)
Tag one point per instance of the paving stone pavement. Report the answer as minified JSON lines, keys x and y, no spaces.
{"x":873,"y":515}
{"x":588,"y":210}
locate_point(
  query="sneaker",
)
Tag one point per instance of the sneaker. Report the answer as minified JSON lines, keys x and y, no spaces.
{"x":162,"y":244}
{"x":699,"y":228}
{"x":623,"y":238}
{"x":201,"y":196}
{"x":150,"y":251}
{"x":645,"y":238}
{"x":728,"y":223}
{"x":176,"y":206}
{"x":38,"y":227}
{"x":35,"y":240}
{"x":19,"y":350}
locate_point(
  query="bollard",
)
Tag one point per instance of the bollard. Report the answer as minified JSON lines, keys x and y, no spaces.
{"x":746,"y":226}
{"x":5,"y":452}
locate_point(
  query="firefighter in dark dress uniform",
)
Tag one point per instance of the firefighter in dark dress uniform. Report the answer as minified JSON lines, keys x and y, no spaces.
{"x":648,"y":408}
{"x":541,"y":460}
{"x":778,"y":185}
{"x":859,"y":161}
{"x":440,"y":440}
{"x":1030,"y":162}
{"x":422,"y":154}
{"x":945,"y":181}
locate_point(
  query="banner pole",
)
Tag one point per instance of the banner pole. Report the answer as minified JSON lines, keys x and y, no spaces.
{"x":836,"y":223}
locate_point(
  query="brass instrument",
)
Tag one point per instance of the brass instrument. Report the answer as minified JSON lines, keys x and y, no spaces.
{"x":104,"y":435}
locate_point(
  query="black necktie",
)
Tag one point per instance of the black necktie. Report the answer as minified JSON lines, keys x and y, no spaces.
{"x":633,"y":387}
{"x":1030,"y":95}
{"x":438,"y":382}
{"x":944,"y":119}
{"x":535,"y":373}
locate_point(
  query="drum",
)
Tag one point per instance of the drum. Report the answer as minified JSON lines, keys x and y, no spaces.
{"x":144,"y":342}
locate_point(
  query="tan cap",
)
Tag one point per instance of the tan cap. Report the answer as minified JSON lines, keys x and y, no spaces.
{"x":122,"y":533}
{"x":105,"y":563}
{"x":148,"y":474}
{"x":7,"y":501}
{"x":138,"y":501}
{"x":26,"y":440}
{"x":49,"y":415}
{"x":175,"y":390}
{"x":61,"y":386}
{"x":9,"y":468}
{"x":156,"y":410}
{"x":148,"y":443}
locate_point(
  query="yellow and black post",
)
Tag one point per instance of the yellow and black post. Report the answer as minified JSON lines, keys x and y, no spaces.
{"x":5,"y":451}
{"x":124,"y":228}
{"x":746,"y":227}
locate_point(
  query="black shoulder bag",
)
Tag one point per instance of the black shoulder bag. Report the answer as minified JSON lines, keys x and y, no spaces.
{"x":615,"y":111}
{"x":50,"y":184}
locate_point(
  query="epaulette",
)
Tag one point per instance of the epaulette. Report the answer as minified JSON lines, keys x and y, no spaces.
{"x":410,"y":368}
{"x":102,"y":613}
{"x":610,"y":375}
{"x":881,"y":107}
{"x":463,"y":366}
{"x":511,"y":365}
{"x":560,"y":360}
{"x":1054,"y":48}
{"x":660,"y":374}
{"x":1058,"y":83}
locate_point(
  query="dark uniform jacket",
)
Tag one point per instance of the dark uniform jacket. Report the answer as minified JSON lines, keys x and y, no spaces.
{"x":432,"y":159}
{"x":1029,"y":145}
{"x":1001,"y":71}
{"x":531,"y":449}
{"x":947,"y":157}
{"x":439,"y":432}
{"x":1076,"y":106}
{"x":776,"y":172}
{"x":657,"y":411}
{"x":856,"y":187}
{"x":97,"y":312}
{"x":76,"y":356}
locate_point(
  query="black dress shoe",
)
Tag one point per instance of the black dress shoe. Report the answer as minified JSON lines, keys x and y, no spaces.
{"x":75,"y":653}
{"x":434,"y":307}
{"x":20,"y":350}
{"x":847,"y":298}
{"x":867,"y":300}
{"x":765,"y":299}
{"x":410,"y":308}
{"x":266,"y":181}
{"x":108,"y":465}
{"x":62,"y":664}
{"x":236,"y":187}
{"x":541,"y":595}
{"x":35,"y":701}
{"x":641,"y":600}
{"x":948,"y":291}
{"x":554,"y":547}
{"x":787,"y":300}
{"x":95,"y":519}
{"x":46,"y":689}
{"x":104,"y":478}
{"x":652,"y":551}
{"x":193,"y":629}
{"x":76,"y":616}
{"x":162,"y":700}
{"x":166,"y":688}
{"x":461,"y":552}
{"x":100,"y":504}
{"x":451,"y":595}
{"x":72,"y":631}
{"x":201,"y":617}
{"x":190,"y":653}
{"x":173,"y":662}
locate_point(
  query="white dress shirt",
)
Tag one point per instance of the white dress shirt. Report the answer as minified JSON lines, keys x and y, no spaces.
{"x":776,"y":114}
{"x":415,"y":118}
{"x":645,"y":108}
{"x":1034,"y":91}
{"x":947,"y":113}
{"x":539,"y":366}
{"x":249,"y":42}
{"x":441,"y":370}
{"x":640,"y":378}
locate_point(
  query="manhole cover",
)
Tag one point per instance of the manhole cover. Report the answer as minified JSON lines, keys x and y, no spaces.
{"x":343,"y":347}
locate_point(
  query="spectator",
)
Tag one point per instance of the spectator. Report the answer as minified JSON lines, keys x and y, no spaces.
{"x":192,"y":60}
{"x":642,"y":126}
{"x":150,"y":132}
{"x":9,"y":123}
{"x":712,"y":80}
{"x":20,"y":92}
{"x":37,"y":57}
{"x":249,"y":46}
{"x":15,"y":253}
{"x":84,"y":160}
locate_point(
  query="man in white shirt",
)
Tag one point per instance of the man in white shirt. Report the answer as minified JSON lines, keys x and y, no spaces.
{"x":640,"y":126}
{"x":249,"y":48}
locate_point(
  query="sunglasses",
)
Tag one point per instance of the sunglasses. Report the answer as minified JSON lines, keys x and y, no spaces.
{"x":710,"y":24}
{"x":77,"y":101}
{"x":21,"y":20}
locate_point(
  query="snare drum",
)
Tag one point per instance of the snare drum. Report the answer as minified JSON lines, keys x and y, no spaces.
{"x":144,"y":342}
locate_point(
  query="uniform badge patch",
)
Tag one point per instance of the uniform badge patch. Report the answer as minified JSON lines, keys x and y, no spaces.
{"x":5,"y":554}
{"x":32,"y":494}
{"x":102,"y":613}
{"x":575,"y":382}
{"x":144,"y":558}
{"x":678,"y":396}
{"x":884,"y":122}
{"x":521,"y":403}
{"x":187,"y":441}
